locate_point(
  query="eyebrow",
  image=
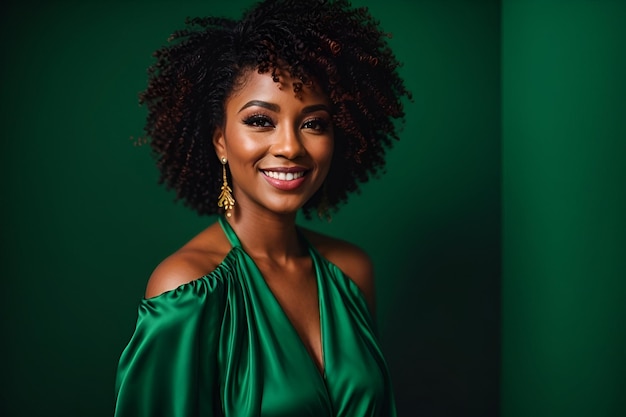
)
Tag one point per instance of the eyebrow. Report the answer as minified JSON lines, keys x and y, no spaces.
{"x":316,"y":107}
{"x":276,"y":108}
{"x":260,"y":103}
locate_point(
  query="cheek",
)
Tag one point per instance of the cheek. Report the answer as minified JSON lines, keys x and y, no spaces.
{"x":241,"y":145}
{"x":324,"y":153}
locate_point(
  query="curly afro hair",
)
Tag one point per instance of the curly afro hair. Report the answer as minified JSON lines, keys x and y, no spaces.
{"x":342,"y":48}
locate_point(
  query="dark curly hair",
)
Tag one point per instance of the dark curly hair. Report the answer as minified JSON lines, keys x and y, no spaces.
{"x":342,"y":48}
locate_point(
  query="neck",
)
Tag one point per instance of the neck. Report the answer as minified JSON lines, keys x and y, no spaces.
{"x":267,"y":235}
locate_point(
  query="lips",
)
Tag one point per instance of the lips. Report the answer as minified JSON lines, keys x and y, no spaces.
{"x":285,"y":179}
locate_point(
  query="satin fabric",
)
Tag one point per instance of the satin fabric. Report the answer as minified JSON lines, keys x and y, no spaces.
{"x":222,"y":346}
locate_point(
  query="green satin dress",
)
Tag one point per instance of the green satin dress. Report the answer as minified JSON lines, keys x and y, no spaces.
{"x":222,"y":346}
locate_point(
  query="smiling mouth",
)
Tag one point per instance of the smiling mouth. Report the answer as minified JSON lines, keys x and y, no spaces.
{"x":284,"y":176}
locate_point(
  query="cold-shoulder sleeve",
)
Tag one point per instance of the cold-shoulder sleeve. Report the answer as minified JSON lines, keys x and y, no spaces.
{"x":169,"y":367}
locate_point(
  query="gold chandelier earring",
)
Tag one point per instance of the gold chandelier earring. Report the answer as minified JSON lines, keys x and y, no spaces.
{"x":225,"y":200}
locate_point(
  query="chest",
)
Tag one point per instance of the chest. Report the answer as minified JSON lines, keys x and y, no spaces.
{"x":295,"y":290}
{"x":269,"y":369}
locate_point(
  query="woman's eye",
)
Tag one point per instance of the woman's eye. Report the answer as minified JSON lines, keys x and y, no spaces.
{"x":258,"y":121}
{"x":319,"y":125}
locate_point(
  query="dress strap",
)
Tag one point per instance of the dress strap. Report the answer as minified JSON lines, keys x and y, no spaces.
{"x":229,"y":232}
{"x":235,"y":242}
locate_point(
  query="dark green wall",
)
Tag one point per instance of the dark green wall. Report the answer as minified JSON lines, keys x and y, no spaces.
{"x":564,"y":208}
{"x":437,"y":244}
{"x":84,"y":222}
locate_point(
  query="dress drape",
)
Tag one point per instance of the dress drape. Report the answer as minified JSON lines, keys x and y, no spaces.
{"x":223,"y":346}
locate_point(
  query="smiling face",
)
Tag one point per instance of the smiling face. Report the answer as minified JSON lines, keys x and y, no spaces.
{"x":278,"y":144}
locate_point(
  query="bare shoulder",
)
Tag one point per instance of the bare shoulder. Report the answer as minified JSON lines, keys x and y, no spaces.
{"x":351,"y":259}
{"x":195,"y":259}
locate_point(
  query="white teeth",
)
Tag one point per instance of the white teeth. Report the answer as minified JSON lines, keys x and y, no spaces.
{"x":289,"y":176}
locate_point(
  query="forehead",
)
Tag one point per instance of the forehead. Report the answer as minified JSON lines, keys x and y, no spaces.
{"x":254,"y":86}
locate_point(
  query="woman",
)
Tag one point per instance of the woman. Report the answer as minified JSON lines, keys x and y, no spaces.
{"x":289,"y":108}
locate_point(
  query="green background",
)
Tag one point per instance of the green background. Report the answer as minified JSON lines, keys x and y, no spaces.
{"x":564,"y":208}
{"x":509,"y":176}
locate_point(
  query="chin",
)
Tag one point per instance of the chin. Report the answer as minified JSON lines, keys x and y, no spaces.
{"x":284,"y":207}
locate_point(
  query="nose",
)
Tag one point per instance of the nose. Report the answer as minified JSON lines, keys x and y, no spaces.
{"x":288,"y":143}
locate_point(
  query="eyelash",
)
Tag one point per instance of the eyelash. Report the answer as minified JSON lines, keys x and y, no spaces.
{"x":258,"y":120}
{"x":322,"y":124}
{"x":264,"y":121}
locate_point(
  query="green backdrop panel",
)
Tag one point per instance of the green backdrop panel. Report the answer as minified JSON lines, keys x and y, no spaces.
{"x":564,"y":177}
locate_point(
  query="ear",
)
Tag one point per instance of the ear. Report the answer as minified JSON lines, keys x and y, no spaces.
{"x":219,"y":142}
